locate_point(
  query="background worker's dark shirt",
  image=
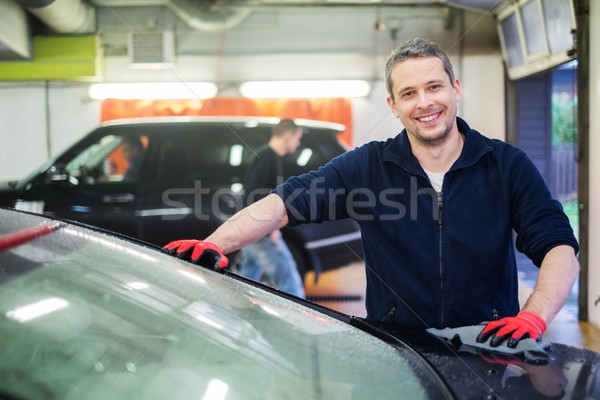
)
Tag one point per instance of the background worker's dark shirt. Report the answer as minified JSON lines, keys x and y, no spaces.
{"x":264,"y":173}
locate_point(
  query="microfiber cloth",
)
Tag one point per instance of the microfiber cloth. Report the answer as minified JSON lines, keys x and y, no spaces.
{"x":528,"y":348}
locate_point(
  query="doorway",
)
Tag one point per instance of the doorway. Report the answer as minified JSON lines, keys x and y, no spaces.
{"x":545,"y":127}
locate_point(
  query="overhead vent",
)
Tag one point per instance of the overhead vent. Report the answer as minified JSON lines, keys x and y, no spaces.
{"x":151,"y":50}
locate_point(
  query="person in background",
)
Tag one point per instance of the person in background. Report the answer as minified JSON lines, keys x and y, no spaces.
{"x":437,"y":206}
{"x":269,"y":255}
{"x":133,"y":151}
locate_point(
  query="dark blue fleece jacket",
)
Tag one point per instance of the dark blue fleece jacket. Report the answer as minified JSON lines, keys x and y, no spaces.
{"x":436,"y":260}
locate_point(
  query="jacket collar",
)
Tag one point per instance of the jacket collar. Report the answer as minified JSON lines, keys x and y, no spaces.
{"x":398,"y":149}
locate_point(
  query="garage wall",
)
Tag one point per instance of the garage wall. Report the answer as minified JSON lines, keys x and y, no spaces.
{"x":22,"y":130}
{"x":37,"y":122}
{"x":482,"y":103}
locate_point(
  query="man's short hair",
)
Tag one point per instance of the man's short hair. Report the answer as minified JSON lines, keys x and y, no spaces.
{"x":414,"y":48}
{"x":285,"y":125}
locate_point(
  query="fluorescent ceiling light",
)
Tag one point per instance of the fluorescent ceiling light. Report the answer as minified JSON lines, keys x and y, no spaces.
{"x":304,"y":89}
{"x":153,"y":90}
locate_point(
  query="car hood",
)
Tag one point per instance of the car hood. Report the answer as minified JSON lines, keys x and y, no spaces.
{"x":106,"y":316}
{"x":91,"y":313}
{"x":569,"y":372}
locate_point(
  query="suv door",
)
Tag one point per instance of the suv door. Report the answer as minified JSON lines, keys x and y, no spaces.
{"x":197,"y":181}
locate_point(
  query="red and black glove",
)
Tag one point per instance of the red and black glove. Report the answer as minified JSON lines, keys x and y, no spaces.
{"x":205,"y":254}
{"x":525,"y":325}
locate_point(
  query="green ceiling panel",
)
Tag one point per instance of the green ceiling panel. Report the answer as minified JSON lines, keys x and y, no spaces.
{"x":73,"y":58}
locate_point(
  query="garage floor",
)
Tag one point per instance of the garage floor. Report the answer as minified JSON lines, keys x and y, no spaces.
{"x":344,"y":289}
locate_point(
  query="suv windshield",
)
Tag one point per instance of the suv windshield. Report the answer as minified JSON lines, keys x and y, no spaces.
{"x":93,"y":316}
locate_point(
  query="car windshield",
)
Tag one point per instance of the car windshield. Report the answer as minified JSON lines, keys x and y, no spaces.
{"x":88,"y":315}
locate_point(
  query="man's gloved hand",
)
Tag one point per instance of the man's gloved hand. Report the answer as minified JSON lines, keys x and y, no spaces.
{"x":205,"y":254}
{"x":525,"y":325}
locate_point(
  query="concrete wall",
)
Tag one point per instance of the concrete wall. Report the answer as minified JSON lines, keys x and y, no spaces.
{"x":23,"y":137}
{"x":39,"y":121}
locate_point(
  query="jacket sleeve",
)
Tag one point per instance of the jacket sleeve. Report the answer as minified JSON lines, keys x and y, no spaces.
{"x":537,"y":218}
{"x":321,"y":195}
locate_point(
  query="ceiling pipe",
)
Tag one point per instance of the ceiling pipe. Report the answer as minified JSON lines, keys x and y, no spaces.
{"x":63,"y":16}
{"x":205,"y":17}
{"x":210,"y":15}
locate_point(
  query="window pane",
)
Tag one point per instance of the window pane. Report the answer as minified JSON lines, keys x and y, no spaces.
{"x":112,"y":158}
{"x":88,"y":166}
{"x":557,"y":14}
{"x":512,"y":43}
{"x":532,"y":26}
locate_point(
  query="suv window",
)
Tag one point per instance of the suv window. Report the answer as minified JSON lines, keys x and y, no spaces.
{"x":211,"y":152}
{"x":221,"y":153}
{"x":111,"y":158}
{"x":317,"y":147}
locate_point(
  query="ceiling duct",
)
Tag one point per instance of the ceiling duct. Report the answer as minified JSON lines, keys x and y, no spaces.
{"x":63,"y":16}
{"x":14,"y":32}
{"x":203,"y":15}
{"x":208,"y":16}
{"x":151,"y":50}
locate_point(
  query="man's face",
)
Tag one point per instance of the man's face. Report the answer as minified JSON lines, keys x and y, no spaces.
{"x":425,"y":100}
{"x":293,"y":140}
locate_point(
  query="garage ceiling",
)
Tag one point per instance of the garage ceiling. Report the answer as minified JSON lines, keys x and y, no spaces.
{"x":253,"y":28}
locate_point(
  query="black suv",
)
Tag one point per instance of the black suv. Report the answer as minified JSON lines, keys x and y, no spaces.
{"x":188,"y":182}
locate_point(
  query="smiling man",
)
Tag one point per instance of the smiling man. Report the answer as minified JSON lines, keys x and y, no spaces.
{"x":437,"y":205}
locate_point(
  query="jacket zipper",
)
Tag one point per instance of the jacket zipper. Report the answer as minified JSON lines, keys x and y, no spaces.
{"x":440,"y":258}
